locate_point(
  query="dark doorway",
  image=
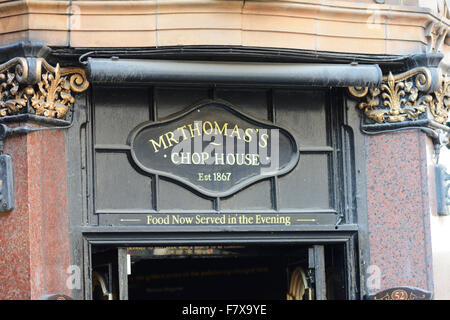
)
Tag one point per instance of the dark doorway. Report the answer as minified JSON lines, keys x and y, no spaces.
{"x":222,"y":272}
{"x":207,"y":278}
{"x":208,"y":273}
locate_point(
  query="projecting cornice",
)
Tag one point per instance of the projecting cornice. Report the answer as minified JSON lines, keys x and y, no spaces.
{"x":319,"y":25}
{"x":32,"y":88}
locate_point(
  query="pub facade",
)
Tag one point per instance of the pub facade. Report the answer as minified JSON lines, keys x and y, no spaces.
{"x":224,"y":150}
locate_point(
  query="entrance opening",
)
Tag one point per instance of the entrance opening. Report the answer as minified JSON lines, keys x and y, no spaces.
{"x":238,"y":272}
{"x":211,"y":272}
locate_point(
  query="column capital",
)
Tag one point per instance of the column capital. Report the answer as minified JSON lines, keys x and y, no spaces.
{"x":416,"y":97}
{"x":31,"y":88}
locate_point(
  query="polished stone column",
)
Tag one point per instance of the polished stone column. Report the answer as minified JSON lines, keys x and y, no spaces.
{"x":34,"y":237}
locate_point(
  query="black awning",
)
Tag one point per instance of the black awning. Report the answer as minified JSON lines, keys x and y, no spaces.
{"x":115,"y":70}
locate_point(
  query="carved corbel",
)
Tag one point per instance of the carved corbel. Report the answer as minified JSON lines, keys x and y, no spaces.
{"x":33,"y":86}
{"x":405,"y":97}
{"x":435,"y":33}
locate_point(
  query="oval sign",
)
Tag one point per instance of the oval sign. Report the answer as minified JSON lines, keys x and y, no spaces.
{"x":213,"y":148}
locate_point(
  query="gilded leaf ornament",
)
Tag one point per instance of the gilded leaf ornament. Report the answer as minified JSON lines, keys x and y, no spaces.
{"x":11,"y":98}
{"x":404,"y":97}
{"x":51,"y":96}
{"x":440,"y":106}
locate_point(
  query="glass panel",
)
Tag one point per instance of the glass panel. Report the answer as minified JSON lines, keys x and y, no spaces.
{"x":174,"y":197}
{"x":256,"y":196}
{"x":130,"y":105}
{"x":250,"y":101}
{"x":307,"y":185}
{"x":118,"y":185}
{"x":303,"y":114}
{"x":170,"y":100}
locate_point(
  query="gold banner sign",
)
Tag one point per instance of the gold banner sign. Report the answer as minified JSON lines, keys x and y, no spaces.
{"x":222,"y":219}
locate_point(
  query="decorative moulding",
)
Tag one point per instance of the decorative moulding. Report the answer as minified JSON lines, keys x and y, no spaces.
{"x":416,"y":97}
{"x":32,"y":88}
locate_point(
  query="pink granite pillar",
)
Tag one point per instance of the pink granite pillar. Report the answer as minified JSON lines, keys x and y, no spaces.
{"x":34,"y":240}
{"x":399,"y":208}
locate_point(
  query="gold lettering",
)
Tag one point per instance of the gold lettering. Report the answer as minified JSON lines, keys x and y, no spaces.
{"x":231,"y":159}
{"x":210,"y":127}
{"x":236,"y":131}
{"x":255,"y":159}
{"x":222,"y":131}
{"x":219,"y":158}
{"x":205,"y":156}
{"x":263,"y":219}
{"x":161,"y":142}
{"x":177,"y":219}
{"x":185,"y":158}
{"x":248,"y":136}
{"x":196,"y":158}
{"x":158,"y":220}
{"x":170,"y":139}
{"x":194,"y":129}
{"x":172,"y":157}
{"x":183,"y":132}
{"x":239,"y":159}
{"x":200,"y":219}
{"x":248,"y":160}
{"x":245,"y":219}
{"x":263,"y":142}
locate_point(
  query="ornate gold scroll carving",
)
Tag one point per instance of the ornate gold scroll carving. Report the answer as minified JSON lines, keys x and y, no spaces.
{"x":404,"y":97}
{"x":51,"y":94}
{"x":439,"y":102}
